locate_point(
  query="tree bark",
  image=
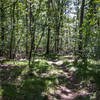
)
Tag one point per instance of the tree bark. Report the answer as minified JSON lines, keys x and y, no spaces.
{"x":32,"y":32}
{"x":48,"y":34}
{"x":2,"y":29}
{"x":48,"y":41}
{"x":12,"y":33}
{"x":80,"y":26}
{"x":26,"y":43}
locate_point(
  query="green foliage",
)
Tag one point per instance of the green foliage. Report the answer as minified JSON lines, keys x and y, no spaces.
{"x":24,"y":32}
{"x":41,"y":66}
{"x":17,"y":83}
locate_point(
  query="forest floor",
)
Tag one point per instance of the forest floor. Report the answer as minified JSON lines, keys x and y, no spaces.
{"x":48,"y":78}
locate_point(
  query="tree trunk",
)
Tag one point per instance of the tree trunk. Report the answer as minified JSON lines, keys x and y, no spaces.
{"x":12,"y":41}
{"x":48,"y":41}
{"x":48,"y":35}
{"x":2,"y":29}
{"x":80,"y":27}
{"x":32,"y":32}
{"x":26,"y":43}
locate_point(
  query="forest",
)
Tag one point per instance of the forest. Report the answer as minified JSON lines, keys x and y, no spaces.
{"x":49,"y":49}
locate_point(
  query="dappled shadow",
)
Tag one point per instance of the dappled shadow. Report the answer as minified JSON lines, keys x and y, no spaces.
{"x":8,"y":78}
{"x":71,"y":82}
{"x":15,"y":84}
{"x":14,"y":87}
{"x":36,"y":82}
{"x":90,"y":72}
{"x":63,"y":93}
{"x":9,"y":73}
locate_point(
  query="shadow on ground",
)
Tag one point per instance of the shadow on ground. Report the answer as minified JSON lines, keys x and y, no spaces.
{"x":18,"y":83}
{"x":44,"y":81}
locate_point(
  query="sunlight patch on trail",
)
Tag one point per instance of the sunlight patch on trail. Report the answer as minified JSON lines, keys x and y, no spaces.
{"x":58,"y":63}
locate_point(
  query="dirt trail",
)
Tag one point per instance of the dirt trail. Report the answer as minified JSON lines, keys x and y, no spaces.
{"x":71,"y":88}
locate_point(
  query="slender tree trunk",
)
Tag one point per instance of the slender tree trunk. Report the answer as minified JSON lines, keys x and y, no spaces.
{"x":57,"y":34}
{"x":48,"y":35}
{"x":58,"y":28}
{"x":26,"y":30}
{"x":2,"y":29}
{"x":76,"y":28}
{"x":32,"y":32}
{"x":17,"y":30}
{"x":12,"y":42}
{"x":48,"y":41}
{"x":55,"y":46}
{"x":80,"y":27}
{"x":59,"y":15}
